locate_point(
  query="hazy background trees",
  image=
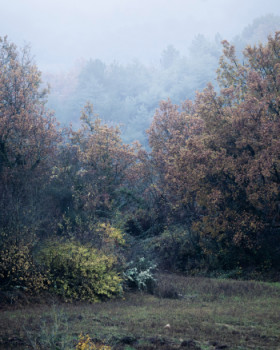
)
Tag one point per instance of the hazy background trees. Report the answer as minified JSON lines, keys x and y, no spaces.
{"x":128,"y":94}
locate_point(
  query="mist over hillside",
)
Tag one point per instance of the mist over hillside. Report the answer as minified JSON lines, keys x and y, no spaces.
{"x":129,"y":93}
{"x":60,"y":32}
{"x":125,"y":56}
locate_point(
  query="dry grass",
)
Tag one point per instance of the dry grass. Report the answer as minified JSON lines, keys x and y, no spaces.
{"x":202,"y":313}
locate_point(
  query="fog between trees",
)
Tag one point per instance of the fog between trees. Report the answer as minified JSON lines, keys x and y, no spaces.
{"x":128,"y":94}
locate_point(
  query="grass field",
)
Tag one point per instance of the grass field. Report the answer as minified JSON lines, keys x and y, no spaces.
{"x":202,"y":313}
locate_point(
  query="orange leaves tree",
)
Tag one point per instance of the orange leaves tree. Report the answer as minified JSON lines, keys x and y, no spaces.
{"x":28,"y":139}
{"x":168,"y":134}
{"x":99,"y":174}
{"x":218,"y":159}
{"x":28,"y":142}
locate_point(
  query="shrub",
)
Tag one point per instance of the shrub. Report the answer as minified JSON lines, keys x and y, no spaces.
{"x":111,"y":238}
{"x":80,"y":272}
{"x":177,"y":249}
{"x":85,"y":343}
{"x":19,"y":271}
{"x":139,"y":275}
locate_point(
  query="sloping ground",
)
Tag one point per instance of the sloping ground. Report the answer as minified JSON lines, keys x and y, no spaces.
{"x":201,"y":313}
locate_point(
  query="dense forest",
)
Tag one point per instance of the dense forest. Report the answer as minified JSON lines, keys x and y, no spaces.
{"x":81,"y":211}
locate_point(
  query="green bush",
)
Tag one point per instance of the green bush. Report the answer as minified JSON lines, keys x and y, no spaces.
{"x":18,"y":270}
{"x":80,"y":272}
{"x":177,"y":249}
{"x":140,"y":275}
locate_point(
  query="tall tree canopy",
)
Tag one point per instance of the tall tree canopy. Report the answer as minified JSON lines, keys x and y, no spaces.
{"x":28,"y":134}
{"x":218,"y":158}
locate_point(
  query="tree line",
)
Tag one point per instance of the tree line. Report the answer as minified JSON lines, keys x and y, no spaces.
{"x":77,"y":205}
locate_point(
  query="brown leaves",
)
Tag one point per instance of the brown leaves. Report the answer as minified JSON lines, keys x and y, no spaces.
{"x":106,"y":161}
{"x":27,"y":130}
{"x":221,"y":161}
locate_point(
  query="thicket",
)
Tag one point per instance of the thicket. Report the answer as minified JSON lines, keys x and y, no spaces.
{"x":80,"y":272}
{"x":204,"y":197}
{"x":218,"y":161}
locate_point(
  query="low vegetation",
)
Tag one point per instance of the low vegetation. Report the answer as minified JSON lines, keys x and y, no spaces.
{"x":202,"y":313}
{"x":79,"y":272}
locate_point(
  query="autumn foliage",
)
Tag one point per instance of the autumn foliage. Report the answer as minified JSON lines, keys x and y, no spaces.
{"x":218,"y":159}
{"x":28,"y":140}
{"x":205,"y":196}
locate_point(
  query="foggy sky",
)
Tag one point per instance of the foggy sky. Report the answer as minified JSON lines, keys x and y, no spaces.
{"x":62,"y":31}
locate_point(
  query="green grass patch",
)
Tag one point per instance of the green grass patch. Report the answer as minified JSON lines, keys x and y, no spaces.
{"x":204,"y":314}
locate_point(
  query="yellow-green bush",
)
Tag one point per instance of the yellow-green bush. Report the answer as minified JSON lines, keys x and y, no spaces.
{"x":18,"y":270}
{"x":85,"y":343}
{"x":80,"y":272}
